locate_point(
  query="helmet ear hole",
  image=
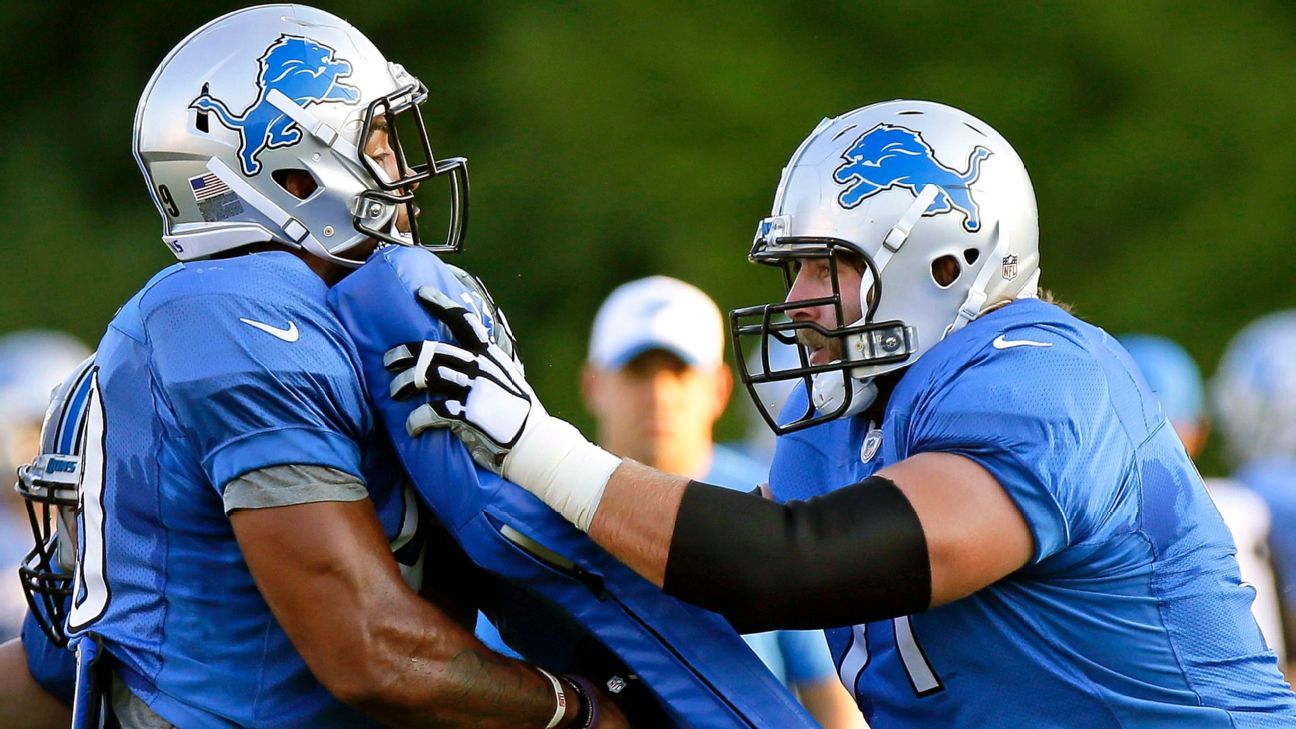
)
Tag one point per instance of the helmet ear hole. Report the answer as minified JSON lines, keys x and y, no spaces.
{"x":298,"y":183}
{"x":971,"y":255}
{"x":945,"y":270}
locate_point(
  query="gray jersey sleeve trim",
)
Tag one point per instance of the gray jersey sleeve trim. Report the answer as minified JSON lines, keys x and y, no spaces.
{"x":292,"y":484}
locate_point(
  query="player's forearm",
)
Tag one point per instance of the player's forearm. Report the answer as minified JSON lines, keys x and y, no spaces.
{"x":636,"y":518}
{"x":327,"y":574}
{"x":474,"y":688}
{"x":426,"y":671}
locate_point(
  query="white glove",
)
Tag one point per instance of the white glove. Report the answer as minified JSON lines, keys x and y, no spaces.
{"x":480,"y":393}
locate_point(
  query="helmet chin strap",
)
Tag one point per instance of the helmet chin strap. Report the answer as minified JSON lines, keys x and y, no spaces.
{"x":296,"y":234}
{"x":829,"y":391}
{"x":976,"y":297}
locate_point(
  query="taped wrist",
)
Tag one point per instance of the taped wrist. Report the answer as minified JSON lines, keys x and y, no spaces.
{"x":556,"y":463}
{"x":854,"y":555}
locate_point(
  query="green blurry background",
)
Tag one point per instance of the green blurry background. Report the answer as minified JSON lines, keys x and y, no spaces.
{"x":610,"y":140}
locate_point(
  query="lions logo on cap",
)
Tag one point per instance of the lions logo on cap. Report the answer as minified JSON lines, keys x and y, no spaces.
{"x":888,"y":156}
{"x":301,"y":69}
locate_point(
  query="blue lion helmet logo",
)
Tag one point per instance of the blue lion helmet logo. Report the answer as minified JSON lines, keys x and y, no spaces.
{"x":299,"y":68}
{"x":888,"y":156}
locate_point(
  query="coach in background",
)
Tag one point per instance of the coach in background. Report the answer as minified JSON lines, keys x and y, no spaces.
{"x":1175,"y":380}
{"x":1253,"y":396}
{"x":656,"y":383}
{"x":251,"y":554}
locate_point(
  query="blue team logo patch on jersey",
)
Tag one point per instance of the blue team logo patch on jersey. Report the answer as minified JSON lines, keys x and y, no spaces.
{"x":305,"y":71}
{"x":888,"y":156}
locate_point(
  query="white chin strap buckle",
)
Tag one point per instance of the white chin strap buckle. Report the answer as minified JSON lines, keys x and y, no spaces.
{"x":830,"y":392}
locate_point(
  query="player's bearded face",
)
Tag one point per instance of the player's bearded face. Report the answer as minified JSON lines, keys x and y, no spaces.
{"x":814,"y":280}
{"x":814,"y":341}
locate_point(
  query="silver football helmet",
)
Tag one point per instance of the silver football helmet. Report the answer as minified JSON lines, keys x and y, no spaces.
{"x":49,"y":486}
{"x":910,"y":188}
{"x":261,"y":92}
{"x":1253,"y":393}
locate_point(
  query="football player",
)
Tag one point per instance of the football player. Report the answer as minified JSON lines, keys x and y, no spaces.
{"x":1253,"y":395}
{"x":974,"y":480}
{"x":250,"y":554}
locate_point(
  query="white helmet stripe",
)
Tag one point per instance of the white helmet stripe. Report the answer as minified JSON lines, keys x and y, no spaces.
{"x":317,"y":127}
{"x":899,"y":233}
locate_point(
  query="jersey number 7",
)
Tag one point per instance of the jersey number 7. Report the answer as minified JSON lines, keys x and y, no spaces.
{"x":922,"y":677}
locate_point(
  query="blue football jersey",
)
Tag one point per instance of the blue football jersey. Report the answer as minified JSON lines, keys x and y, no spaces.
{"x":1130,"y":613}
{"x":213,"y":370}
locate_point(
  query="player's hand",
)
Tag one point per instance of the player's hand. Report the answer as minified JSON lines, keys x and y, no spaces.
{"x":478,"y":389}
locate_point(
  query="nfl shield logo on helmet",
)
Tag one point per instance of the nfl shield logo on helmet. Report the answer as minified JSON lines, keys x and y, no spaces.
{"x":1009,"y":268}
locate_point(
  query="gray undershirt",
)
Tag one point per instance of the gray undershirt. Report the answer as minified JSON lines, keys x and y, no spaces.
{"x":131,"y":711}
{"x":289,"y":485}
{"x":261,"y":489}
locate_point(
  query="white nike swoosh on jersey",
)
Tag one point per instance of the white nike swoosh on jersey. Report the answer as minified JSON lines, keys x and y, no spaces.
{"x":1001,"y":343}
{"x":288,"y":335}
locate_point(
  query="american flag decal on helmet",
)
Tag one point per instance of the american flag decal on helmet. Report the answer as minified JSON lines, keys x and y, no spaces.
{"x":208,"y":186}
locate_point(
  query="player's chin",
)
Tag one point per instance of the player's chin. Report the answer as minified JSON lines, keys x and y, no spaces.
{"x":823,"y":355}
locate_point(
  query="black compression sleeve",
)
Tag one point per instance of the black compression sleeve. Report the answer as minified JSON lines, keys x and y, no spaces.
{"x":851,"y":556}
